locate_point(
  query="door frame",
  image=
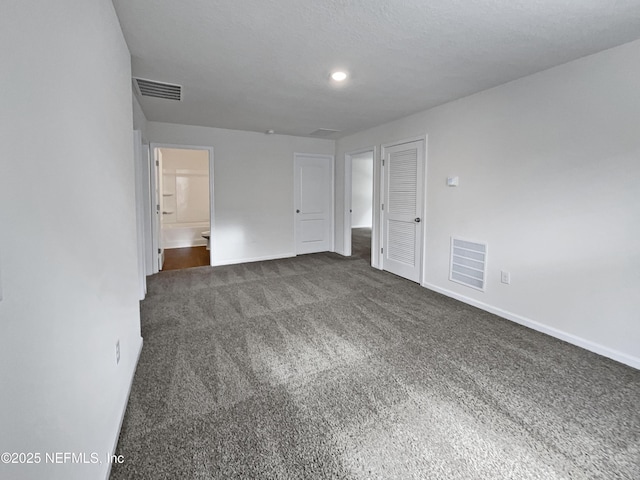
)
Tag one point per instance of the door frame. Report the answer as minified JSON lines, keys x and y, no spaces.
{"x":423,"y":248}
{"x":147,"y":205}
{"x":348,"y":192}
{"x":332,"y":234}
{"x":138,"y":157}
{"x":152,"y":174}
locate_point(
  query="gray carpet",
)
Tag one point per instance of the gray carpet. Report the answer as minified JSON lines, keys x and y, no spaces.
{"x":322,"y":367}
{"x":361,"y":243}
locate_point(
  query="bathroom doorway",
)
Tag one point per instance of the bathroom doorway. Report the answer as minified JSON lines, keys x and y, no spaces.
{"x":184,"y":208}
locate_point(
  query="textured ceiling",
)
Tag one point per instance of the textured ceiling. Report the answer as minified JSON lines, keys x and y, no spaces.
{"x":265,"y":64}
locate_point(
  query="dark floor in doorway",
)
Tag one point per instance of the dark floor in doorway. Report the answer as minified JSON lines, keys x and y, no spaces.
{"x":189,"y":257}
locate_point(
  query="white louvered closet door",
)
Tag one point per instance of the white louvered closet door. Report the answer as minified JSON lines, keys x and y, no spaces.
{"x":402,"y":211}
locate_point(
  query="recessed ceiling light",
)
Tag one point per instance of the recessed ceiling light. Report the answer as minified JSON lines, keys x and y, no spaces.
{"x":270,"y":132}
{"x":339,"y":76}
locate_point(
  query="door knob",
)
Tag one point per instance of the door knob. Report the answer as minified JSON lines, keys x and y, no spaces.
{"x":297,"y":211}
{"x":417,"y":220}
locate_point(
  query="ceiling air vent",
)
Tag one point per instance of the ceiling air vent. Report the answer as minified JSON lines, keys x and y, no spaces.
{"x":150,"y":88}
{"x":323,"y":132}
{"x":468,"y":262}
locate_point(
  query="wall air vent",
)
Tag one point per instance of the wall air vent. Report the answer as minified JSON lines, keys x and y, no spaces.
{"x":323,"y":132}
{"x":468,"y":263}
{"x":151,"y":88}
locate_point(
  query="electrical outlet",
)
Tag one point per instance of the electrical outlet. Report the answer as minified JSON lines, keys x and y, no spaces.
{"x":117,"y":352}
{"x":505,"y":277}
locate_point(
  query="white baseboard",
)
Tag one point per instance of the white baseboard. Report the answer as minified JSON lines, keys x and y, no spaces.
{"x":217,"y":263}
{"x":124,"y":409}
{"x":360,"y":226}
{"x":194,"y":243}
{"x":541,"y":327}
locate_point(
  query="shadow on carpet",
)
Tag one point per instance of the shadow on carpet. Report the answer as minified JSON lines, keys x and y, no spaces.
{"x":321,"y":367}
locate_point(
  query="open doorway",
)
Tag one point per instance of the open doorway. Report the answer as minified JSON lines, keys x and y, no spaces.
{"x":183,"y":189}
{"x":361,"y":204}
{"x":359,"y":224}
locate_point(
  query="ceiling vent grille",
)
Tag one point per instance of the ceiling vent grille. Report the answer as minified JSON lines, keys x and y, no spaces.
{"x":468,"y":263}
{"x":323,"y":132}
{"x":151,"y":88}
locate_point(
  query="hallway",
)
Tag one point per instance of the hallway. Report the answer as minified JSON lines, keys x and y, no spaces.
{"x":361,"y":243}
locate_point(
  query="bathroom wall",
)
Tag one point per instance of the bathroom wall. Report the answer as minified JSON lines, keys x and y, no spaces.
{"x":185,"y":197}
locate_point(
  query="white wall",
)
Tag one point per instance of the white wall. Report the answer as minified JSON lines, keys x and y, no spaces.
{"x":253,"y":187}
{"x":362,"y":190}
{"x":67,"y":233}
{"x":139,"y":118}
{"x":549,"y":169}
{"x":174,"y":158}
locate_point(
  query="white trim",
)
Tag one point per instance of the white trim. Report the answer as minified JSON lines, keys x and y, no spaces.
{"x":333,"y":203}
{"x":185,"y":244}
{"x":155,"y":219}
{"x":212,"y":210}
{"x":295,"y":205}
{"x":124,"y":409}
{"x":210,"y":149}
{"x":541,"y":327}
{"x":378,"y":194}
{"x":184,"y":172}
{"x":425,"y":204}
{"x":348,"y":198}
{"x":404,"y":140}
{"x":255,"y":259}
{"x":348,"y":194}
{"x":362,"y":226}
{"x":147,"y":209}
{"x":140,"y":211}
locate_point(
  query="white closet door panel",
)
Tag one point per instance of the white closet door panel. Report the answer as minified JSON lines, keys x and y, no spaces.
{"x":402,"y":238}
{"x":403,"y":183}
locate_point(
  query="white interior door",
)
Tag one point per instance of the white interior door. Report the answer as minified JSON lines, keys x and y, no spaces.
{"x":149,"y":210}
{"x":155,"y":208}
{"x":313,"y":190}
{"x":161,"y":211}
{"x":156,"y":189}
{"x":402,"y":209}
